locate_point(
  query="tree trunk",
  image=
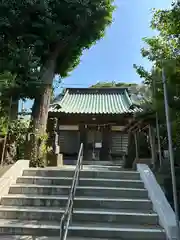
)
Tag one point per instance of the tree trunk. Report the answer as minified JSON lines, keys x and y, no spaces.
{"x":40,"y":115}
{"x":14,"y":109}
{"x":42,"y":102}
{"x":40,"y":109}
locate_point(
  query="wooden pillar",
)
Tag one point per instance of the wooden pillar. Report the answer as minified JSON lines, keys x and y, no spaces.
{"x":152,"y":143}
{"x":105,"y":151}
{"x":136,"y":145}
{"x":83,"y":138}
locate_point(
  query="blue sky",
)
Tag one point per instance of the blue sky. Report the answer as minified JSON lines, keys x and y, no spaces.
{"x":112,"y":58}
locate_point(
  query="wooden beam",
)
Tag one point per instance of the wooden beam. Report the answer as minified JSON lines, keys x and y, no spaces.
{"x":134,"y":126}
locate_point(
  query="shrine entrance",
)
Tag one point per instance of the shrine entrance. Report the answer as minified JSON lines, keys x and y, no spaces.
{"x":97,"y":143}
{"x":94,"y":142}
{"x":89,"y":116}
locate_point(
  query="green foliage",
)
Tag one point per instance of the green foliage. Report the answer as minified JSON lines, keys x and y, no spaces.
{"x":39,"y":39}
{"x":140,"y":92}
{"x":104,"y":85}
{"x":3,"y":126}
{"x":143,"y":149}
{"x":163,"y":51}
{"x":18,"y":128}
{"x":17,"y":132}
{"x":34,"y":32}
{"x":7,"y":84}
{"x":39,"y":151}
{"x":113,"y":84}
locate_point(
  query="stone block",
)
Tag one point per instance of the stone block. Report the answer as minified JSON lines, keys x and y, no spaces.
{"x":59,"y":160}
{"x":11,"y":176}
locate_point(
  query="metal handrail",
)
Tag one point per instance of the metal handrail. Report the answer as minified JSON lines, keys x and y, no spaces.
{"x":66,"y":217}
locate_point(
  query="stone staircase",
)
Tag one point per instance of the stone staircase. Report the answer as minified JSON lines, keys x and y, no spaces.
{"x":109,"y":204}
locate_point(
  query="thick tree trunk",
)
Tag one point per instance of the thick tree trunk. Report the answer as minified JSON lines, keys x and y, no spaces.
{"x":42,"y":102}
{"x":40,"y":115}
{"x":38,"y":126}
{"x":40,"y":109}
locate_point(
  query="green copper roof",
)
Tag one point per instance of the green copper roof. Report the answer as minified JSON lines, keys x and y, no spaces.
{"x":94,"y":101}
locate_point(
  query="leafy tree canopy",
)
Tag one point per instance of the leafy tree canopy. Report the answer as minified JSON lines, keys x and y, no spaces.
{"x":163,"y":51}
{"x":33,"y":33}
{"x":141,"y":91}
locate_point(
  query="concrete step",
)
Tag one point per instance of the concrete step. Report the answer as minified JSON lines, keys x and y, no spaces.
{"x":45,"y":172}
{"x":80,"y":202}
{"x":79,"y":215}
{"x":30,"y":237}
{"x":40,"y":228}
{"x":105,"y":165}
{"x":80,"y":191}
{"x":125,"y":232}
{"x":102,"y":163}
{"x":83,"y":181}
